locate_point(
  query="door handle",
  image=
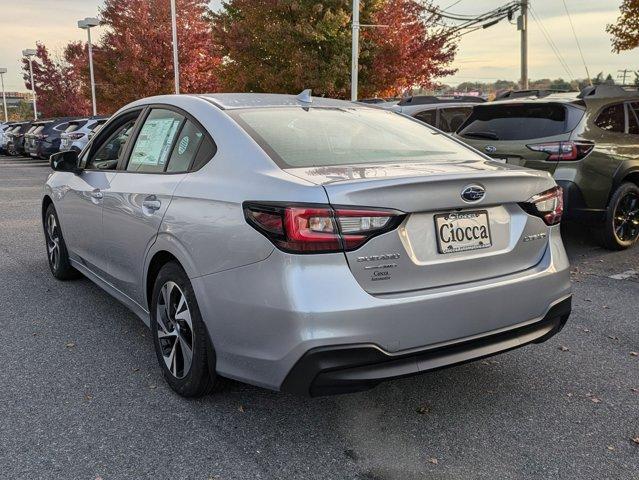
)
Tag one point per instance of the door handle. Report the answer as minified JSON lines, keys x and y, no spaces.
{"x":96,"y":194}
{"x":152,"y":204}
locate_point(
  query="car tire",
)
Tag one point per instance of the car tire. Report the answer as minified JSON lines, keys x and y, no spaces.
{"x":621,"y":227}
{"x":57,"y":253}
{"x":180,"y":335}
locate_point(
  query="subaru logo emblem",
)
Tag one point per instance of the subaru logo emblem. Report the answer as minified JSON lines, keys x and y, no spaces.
{"x":473,"y":193}
{"x":490,"y":148}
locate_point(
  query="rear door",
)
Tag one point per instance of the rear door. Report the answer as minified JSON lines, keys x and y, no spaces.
{"x":503,"y":131}
{"x":140,"y":194}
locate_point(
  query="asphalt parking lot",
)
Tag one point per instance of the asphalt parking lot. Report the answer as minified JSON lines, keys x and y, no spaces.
{"x":82,"y":396}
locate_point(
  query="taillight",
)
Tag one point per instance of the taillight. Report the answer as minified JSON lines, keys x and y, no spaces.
{"x":75,"y":136}
{"x":563,"y":151}
{"x":319,"y":228}
{"x":548,"y":205}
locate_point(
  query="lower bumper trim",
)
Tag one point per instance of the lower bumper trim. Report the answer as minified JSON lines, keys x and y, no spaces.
{"x":352,"y":368}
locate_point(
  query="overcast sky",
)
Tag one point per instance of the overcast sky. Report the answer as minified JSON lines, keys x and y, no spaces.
{"x":486,"y":55}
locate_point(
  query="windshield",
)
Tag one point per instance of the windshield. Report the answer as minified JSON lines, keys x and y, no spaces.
{"x":312,"y":137}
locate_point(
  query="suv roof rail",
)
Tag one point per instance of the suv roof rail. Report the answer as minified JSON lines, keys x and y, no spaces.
{"x":533,"y":92}
{"x":426,"y":99}
{"x":607,"y":91}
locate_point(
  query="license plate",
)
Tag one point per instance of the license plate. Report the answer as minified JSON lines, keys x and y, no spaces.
{"x":462,"y":231}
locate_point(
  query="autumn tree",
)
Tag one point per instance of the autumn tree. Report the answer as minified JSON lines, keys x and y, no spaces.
{"x":134,"y":59}
{"x":289,"y":45}
{"x":625,"y":33}
{"x":57,"y":86}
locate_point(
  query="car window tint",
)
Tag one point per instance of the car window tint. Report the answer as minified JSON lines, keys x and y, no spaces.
{"x":633,"y":118}
{"x":186,"y":147}
{"x":516,"y":122}
{"x":204,"y":154}
{"x":110,"y":152}
{"x":153,"y":145}
{"x":450,"y":119}
{"x":428,"y":116}
{"x":612,"y":118}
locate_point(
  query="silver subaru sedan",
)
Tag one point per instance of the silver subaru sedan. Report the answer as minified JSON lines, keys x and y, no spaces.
{"x":304,"y":244}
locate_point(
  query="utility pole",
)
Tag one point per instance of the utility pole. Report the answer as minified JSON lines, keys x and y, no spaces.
{"x":4,"y":98}
{"x":86,"y":24}
{"x":622,"y":75}
{"x":522,"y":26}
{"x":29,"y":53}
{"x":355,"y":51}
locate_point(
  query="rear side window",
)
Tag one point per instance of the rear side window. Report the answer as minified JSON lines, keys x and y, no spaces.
{"x":186,"y":147}
{"x":612,"y":118}
{"x":38,"y":129}
{"x":633,"y":118}
{"x":72,"y":127}
{"x":517,"y":122}
{"x":428,"y":116}
{"x":450,"y":119}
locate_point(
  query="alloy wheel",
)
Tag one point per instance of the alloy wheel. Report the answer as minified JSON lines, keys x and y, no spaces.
{"x":53,"y":241}
{"x":175,"y":329}
{"x":626,"y":218}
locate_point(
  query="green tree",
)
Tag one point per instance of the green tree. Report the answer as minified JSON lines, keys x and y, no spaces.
{"x":625,"y":33}
{"x":289,"y":45}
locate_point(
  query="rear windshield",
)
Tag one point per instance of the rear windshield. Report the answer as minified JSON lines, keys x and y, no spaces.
{"x":520,"y":121}
{"x":317,"y":137}
{"x":38,"y":129}
{"x":74,"y":126}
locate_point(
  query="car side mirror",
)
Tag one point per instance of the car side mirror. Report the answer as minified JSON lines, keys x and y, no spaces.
{"x":66,"y":161}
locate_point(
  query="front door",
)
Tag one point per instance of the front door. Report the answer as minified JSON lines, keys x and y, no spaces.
{"x":141,"y":193}
{"x":83,"y":202}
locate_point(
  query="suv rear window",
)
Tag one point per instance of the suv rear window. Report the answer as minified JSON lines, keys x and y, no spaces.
{"x":520,"y":121}
{"x":74,"y":126}
{"x":313,"y":137}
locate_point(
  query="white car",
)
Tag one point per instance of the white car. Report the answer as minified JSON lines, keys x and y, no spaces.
{"x":76,"y":136}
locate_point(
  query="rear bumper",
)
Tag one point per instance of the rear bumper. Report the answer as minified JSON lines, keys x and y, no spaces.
{"x":265,"y":317}
{"x":575,"y":208}
{"x":353,"y":368}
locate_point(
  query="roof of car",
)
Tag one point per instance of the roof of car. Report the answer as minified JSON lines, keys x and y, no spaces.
{"x":230,"y":101}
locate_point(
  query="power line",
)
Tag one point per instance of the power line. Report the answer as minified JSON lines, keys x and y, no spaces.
{"x":574,"y":33}
{"x":551,"y":43}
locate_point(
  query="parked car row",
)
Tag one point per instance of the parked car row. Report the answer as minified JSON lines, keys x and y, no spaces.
{"x":41,"y":138}
{"x":588,"y":141}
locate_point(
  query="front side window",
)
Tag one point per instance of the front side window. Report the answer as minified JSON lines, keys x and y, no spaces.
{"x":612,"y":118}
{"x":112,"y":150}
{"x":155,"y":141}
{"x":317,"y":137}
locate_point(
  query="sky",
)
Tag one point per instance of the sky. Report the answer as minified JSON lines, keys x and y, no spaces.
{"x":484,"y":55}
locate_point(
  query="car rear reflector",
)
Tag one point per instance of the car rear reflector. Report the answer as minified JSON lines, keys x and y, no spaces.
{"x":548,"y":205}
{"x":319,"y":228}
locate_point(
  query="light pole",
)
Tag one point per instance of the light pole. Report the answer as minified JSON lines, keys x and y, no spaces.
{"x":86,"y":24}
{"x":355,"y":51}
{"x":176,"y":66}
{"x":4,"y":98}
{"x":30,"y":53}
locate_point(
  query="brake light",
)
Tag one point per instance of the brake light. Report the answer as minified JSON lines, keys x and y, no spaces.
{"x":548,"y":205}
{"x":563,"y":151}
{"x":319,"y":228}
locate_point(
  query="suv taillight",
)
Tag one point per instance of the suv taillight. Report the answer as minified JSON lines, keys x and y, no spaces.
{"x":75,"y":136}
{"x":563,"y":151}
{"x":319,"y":228}
{"x":548,"y":205}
